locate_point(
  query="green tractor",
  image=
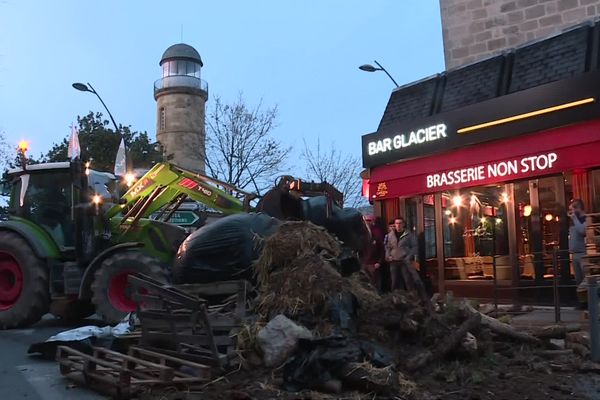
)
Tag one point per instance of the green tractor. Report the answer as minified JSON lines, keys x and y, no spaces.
{"x":70,"y":241}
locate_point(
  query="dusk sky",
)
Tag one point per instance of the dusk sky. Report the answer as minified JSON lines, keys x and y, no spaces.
{"x":302,"y":56}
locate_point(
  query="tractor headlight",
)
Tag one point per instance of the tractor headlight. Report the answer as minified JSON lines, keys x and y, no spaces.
{"x":129,"y":179}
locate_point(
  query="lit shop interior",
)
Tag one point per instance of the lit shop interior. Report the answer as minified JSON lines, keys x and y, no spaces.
{"x":514,"y":228}
{"x":481,"y":225}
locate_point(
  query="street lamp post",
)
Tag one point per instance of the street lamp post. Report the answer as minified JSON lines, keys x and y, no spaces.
{"x":89,"y":88}
{"x":370,"y":68}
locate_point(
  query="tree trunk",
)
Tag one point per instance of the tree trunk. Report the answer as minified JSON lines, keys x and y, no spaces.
{"x":446,"y":345}
{"x":501,"y":328}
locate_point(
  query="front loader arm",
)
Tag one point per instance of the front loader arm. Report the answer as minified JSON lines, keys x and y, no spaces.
{"x":166,"y":184}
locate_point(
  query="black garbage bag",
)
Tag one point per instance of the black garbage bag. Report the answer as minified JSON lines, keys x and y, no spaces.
{"x":345,"y":223}
{"x":317,"y":361}
{"x":343,"y":310}
{"x":223,"y":250}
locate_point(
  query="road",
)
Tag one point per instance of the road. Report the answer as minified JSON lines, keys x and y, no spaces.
{"x":28,"y":377}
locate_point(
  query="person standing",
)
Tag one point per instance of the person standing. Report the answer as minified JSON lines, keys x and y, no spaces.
{"x":577,"y":231}
{"x":400,"y":252}
{"x":375,"y":253}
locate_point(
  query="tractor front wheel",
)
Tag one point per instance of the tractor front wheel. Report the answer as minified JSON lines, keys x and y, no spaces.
{"x":24,"y":290}
{"x":111,"y":291}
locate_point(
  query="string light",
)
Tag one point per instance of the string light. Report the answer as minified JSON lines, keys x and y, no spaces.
{"x":527,"y":210}
{"x":549,"y":217}
{"x":457,"y":201}
{"x":452,"y":220}
{"x":23,"y":145}
{"x":448,"y":212}
{"x":483,"y":219}
{"x":504,"y":197}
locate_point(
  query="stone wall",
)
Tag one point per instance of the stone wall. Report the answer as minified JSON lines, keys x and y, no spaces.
{"x":477,"y":29}
{"x":181,"y":130}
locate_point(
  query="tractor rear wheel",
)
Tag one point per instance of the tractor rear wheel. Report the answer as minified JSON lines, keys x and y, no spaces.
{"x":111,"y":293}
{"x":24,"y":290}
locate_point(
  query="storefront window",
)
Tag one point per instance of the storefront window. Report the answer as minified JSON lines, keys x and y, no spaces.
{"x":390,"y":210}
{"x":595,"y":204}
{"x":475,"y":232}
{"x":429,"y":227}
{"x":411,"y":214}
{"x":540,"y":213}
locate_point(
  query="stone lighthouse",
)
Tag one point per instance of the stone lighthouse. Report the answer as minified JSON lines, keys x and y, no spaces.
{"x":180,"y":101}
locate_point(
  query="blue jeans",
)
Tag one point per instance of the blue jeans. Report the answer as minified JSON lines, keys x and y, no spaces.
{"x":578,"y":267}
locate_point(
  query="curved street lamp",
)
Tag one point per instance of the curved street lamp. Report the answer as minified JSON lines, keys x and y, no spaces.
{"x":89,"y":88}
{"x":370,"y":68}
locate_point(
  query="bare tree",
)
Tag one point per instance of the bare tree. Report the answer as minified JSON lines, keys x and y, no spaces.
{"x":334,"y":167}
{"x":240,"y":148}
{"x":7,"y":154}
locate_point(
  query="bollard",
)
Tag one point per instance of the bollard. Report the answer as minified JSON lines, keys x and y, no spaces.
{"x":555,"y":285}
{"x":593,"y":317}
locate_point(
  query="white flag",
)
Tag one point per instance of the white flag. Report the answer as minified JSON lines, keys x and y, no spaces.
{"x":121,"y":160}
{"x":74,"y":151}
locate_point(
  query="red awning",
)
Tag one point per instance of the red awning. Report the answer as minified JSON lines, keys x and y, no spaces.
{"x":543,"y":153}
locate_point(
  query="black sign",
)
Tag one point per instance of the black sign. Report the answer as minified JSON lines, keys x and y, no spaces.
{"x":543,"y":107}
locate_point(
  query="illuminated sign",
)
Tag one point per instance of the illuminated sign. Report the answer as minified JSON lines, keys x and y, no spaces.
{"x":526,"y":115}
{"x":501,"y":169}
{"x":552,"y":105}
{"x":382,"y":190}
{"x":405,"y":140}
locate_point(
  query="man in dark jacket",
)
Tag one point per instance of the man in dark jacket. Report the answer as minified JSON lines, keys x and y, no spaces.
{"x":375,"y":256}
{"x":400,"y":252}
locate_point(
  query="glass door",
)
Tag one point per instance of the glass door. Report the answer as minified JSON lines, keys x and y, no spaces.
{"x":540,"y":213}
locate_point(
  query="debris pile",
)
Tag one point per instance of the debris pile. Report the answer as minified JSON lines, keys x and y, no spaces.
{"x":362,"y":342}
{"x":311,"y":332}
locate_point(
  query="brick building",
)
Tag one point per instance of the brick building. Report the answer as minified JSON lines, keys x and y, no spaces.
{"x":476,"y":29}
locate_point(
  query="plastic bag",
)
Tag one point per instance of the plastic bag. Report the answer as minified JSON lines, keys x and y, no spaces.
{"x":223,"y":250}
{"x":346,"y":224}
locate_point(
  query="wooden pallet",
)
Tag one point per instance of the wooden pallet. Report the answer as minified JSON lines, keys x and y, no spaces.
{"x":178,"y":320}
{"x":123,"y":376}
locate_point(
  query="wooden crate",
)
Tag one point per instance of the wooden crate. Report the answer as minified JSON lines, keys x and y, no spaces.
{"x":179,"y":320}
{"x":123,"y":376}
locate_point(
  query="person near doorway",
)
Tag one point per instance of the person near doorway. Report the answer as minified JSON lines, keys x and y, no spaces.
{"x":390,"y":229}
{"x":374,"y":258}
{"x":400,"y":252}
{"x":577,"y":231}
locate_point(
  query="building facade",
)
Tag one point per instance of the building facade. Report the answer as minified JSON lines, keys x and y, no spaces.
{"x":181,"y":97}
{"x":476,"y":29}
{"x":482,"y":160}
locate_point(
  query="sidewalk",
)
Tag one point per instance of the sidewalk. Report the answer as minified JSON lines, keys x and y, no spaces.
{"x":540,"y":316}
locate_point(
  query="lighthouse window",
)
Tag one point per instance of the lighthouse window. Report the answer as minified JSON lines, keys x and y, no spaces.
{"x":163,"y":119}
{"x":181,"y":69}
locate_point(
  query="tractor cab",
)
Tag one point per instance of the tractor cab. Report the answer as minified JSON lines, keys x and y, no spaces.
{"x":44,"y":195}
{"x":48,"y":194}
